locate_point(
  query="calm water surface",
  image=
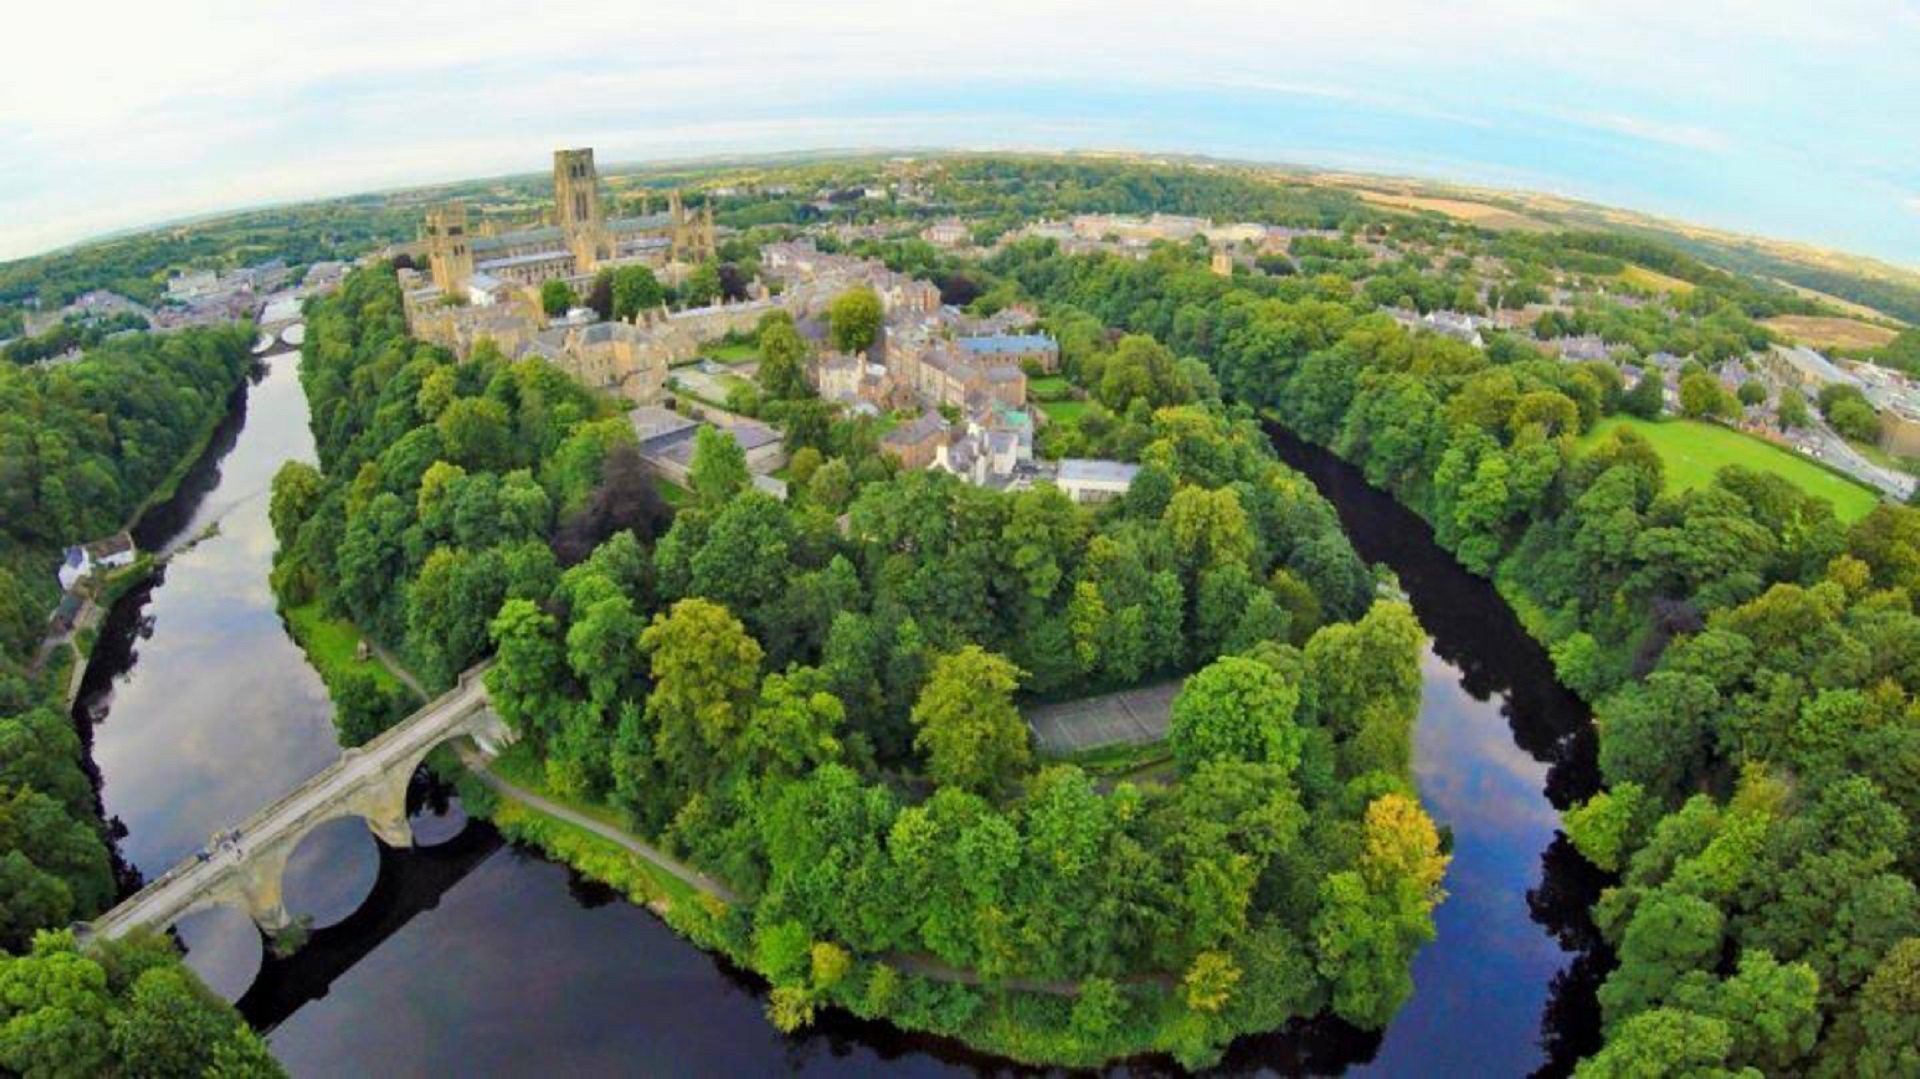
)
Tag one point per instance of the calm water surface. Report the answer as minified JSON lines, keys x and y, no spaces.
{"x":467,"y":956}
{"x":1506,"y":989}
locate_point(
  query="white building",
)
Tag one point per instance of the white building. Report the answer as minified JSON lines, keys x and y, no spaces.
{"x":1087,"y":480}
{"x":110,"y":553}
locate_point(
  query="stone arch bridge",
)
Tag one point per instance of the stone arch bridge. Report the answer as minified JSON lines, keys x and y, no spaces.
{"x":368,"y":781}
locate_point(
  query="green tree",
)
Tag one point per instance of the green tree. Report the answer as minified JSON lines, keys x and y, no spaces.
{"x":702,"y":286}
{"x":1854,"y":418}
{"x":1208,"y":528}
{"x":1607,"y":826}
{"x":1647,"y":399}
{"x":831,"y":487}
{"x":1889,"y":1014}
{"x":793,"y":726}
{"x":1661,"y":1042}
{"x":972,"y":734}
{"x":170,"y":1025}
{"x":783,"y":362}
{"x":297,"y":488}
{"x":705,"y":671}
{"x":719,"y":468}
{"x":1669,"y":936}
{"x":54,"y":1011}
{"x":1236,"y":709}
{"x":1142,"y":369}
{"x":1703,"y":398}
{"x":853,"y":320}
{"x":556,"y":297}
{"x":1792,"y":410}
{"x":635,"y":289}
{"x":527,"y":681}
{"x":477,"y":433}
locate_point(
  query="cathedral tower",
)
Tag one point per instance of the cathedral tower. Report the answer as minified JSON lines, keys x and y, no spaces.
{"x":576,"y":203}
{"x":449,"y":247}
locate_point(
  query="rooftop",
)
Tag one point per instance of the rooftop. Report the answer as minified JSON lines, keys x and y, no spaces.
{"x":522,"y":260}
{"x":1093,"y":470}
{"x":1010,"y":342}
{"x":927,"y":425}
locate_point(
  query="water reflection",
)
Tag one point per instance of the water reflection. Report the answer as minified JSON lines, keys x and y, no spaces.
{"x":1506,"y":989}
{"x":223,"y":947}
{"x":331,"y":872}
{"x":201,"y":708}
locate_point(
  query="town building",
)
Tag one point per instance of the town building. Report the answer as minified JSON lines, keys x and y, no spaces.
{"x":917,"y":443}
{"x":668,"y":440}
{"x":1805,"y":368}
{"x":103,"y":554}
{"x":1037,"y":348}
{"x":618,"y":357}
{"x":800,"y":262}
{"x":1092,"y":481}
{"x":947,"y":234}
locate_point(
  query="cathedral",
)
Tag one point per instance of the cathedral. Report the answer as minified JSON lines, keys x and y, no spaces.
{"x":579,"y":243}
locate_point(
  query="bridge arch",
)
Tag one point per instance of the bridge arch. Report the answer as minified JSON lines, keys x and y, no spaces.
{"x":369,"y":782}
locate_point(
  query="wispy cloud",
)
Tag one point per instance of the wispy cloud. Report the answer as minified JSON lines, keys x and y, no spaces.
{"x":162,"y":113}
{"x":1645,"y":129}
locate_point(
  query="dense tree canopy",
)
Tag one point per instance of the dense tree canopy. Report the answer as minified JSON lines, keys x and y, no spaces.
{"x":1748,"y":655}
{"x":818,"y":700}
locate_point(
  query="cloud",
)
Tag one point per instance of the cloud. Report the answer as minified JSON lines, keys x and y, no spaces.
{"x":167,"y":110}
{"x":1685,"y":136}
{"x":1912,"y":204}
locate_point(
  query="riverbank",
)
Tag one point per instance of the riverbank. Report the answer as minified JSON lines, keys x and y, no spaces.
{"x":170,"y":484}
{"x":334,"y":647}
{"x":1027,"y":1023}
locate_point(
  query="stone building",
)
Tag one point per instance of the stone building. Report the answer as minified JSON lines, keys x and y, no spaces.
{"x":1016,"y":349}
{"x":916,"y":444}
{"x":618,"y":357}
{"x":580,"y":241}
{"x":800,"y":262}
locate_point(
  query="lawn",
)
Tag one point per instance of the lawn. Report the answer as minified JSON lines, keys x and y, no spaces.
{"x":1694,"y":451}
{"x":673,"y":494}
{"x":734,"y":353}
{"x":1050,"y":388}
{"x":330,"y":644}
{"x":1065,"y":411}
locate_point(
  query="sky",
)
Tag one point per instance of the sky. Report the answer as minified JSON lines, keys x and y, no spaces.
{"x":1799,"y":121}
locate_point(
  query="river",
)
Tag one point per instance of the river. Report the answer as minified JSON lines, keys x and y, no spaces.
{"x":466,"y":955}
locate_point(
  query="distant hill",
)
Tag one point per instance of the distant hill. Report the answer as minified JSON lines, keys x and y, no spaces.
{"x":1849,"y":282}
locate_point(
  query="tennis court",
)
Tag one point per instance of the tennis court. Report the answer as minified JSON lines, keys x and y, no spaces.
{"x":1129,"y":717}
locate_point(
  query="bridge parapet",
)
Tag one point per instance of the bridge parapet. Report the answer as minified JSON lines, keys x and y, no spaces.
{"x":368,"y":781}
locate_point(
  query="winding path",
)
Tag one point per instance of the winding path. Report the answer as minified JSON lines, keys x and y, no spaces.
{"x":693,"y":878}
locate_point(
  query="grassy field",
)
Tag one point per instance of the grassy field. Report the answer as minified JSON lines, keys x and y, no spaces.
{"x":673,"y":494}
{"x":1064,"y":411}
{"x":1477,"y":213}
{"x":1693,"y":452}
{"x":736,"y":353}
{"x":1050,"y":388}
{"x":1817,"y":332}
{"x":330,"y":644}
{"x":1654,"y":281}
